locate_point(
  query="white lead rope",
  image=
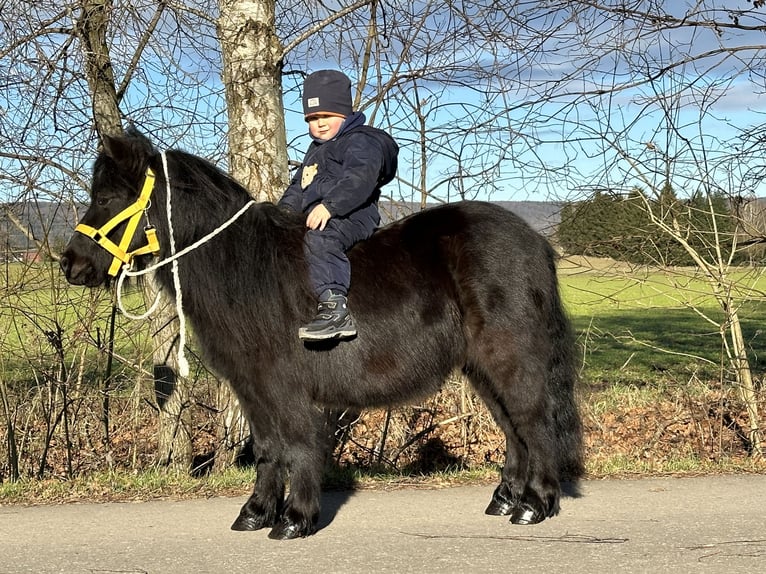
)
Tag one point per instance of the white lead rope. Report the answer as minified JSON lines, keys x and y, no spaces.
{"x":183,"y":363}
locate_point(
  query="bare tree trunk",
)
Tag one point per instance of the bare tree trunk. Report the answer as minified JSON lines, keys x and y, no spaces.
{"x":91,"y":29}
{"x":745,"y":384}
{"x":233,"y":428}
{"x":175,"y":437}
{"x":172,"y":392}
{"x":252,"y":73}
{"x":12,"y":449}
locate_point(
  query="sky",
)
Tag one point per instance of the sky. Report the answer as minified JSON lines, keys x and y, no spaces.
{"x":571,"y":145}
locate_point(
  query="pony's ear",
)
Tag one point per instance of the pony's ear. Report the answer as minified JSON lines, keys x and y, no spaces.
{"x":113,"y":146}
{"x":131,"y":150}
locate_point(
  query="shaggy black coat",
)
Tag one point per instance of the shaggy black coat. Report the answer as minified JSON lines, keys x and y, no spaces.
{"x":467,"y":285}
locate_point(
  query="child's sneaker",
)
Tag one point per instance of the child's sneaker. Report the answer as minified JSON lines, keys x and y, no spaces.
{"x":332,"y":321}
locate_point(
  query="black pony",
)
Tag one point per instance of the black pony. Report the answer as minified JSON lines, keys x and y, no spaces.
{"x":466,"y":285}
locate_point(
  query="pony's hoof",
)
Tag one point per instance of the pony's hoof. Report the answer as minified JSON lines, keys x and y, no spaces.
{"x":524,"y":514}
{"x":499,"y":507}
{"x":288,"y":530}
{"x":248,"y":523}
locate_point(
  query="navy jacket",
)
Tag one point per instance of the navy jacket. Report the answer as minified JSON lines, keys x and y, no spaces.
{"x":350,"y":170}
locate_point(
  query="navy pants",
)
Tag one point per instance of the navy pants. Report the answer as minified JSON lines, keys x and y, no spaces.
{"x":326,"y":253}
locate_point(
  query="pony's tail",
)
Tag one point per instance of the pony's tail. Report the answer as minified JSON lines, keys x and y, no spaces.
{"x":562,"y":381}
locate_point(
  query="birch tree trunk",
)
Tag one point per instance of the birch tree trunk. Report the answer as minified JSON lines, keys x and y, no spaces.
{"x":252,"y":74}
{"x":174,"y":437}
{"x":171,"y":391}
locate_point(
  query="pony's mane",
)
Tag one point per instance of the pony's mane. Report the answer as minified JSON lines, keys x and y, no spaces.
{"x":266,"y":238}
{"x":195,"y":175}
{"x":222,"y":194}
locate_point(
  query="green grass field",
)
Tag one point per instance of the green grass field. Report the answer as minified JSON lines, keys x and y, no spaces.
{"x":647,"y":327}
{"x":634,"y":326}
{"x":631,"y":324}
{"x":45,"y":322}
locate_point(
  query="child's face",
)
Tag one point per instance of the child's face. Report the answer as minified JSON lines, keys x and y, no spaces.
{"x":324,"y":127}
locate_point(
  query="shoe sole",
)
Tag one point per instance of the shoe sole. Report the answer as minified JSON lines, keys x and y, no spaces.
{"x":305,"y":336}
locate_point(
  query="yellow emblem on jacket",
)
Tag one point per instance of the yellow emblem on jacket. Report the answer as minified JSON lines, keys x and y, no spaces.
{"x":307,"y":175}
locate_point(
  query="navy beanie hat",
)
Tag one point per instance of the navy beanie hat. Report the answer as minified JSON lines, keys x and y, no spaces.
{"x":327,"y":92}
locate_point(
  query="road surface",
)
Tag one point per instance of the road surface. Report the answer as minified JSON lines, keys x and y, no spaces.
{"x":679,"y":525}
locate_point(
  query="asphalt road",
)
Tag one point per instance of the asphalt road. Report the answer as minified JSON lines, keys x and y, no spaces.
{"x":681,"y":525}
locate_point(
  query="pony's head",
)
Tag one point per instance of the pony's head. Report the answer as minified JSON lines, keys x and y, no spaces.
{"x":109,"y":234}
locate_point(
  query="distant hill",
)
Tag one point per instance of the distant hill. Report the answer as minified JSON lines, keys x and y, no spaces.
{"x":41,"y":220}
{"x":55,"y":221}
{"x":542,"y":216}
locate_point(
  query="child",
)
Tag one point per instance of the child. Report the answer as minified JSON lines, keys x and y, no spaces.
{"x":337,"y":187}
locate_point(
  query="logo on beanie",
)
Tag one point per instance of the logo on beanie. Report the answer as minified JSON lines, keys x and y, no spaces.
{"x":312,"y":102}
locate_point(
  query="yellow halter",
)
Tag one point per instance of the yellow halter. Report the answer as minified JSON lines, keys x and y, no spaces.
{"x":132,"y":214}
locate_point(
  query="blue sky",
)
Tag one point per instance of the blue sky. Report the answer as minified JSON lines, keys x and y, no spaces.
{"x":570,"y":144}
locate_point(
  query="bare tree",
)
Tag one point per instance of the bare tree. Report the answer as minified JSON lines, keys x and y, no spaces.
{"x":678,"y":90}
{"x":73,"y":74}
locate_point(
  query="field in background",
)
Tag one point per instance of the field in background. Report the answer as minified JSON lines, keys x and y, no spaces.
{"x":639,"y":325}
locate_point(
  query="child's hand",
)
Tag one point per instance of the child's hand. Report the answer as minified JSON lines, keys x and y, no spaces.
{"x":318,"y":218}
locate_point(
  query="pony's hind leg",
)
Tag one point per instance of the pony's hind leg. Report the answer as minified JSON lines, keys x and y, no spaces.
{"x":507,"y":495}
{"x":540,"y":498}
{"x":529,"y":487}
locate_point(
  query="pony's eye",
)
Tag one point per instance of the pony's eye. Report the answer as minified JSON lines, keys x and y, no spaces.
{"x":102,"y":201}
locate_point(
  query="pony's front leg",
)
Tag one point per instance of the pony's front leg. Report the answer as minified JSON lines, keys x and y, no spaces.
{"x":306,"y":457}
{"x":264,"y":507}
{"x":301,"y":513}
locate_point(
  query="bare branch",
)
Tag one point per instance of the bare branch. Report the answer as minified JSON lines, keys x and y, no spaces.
{"x":323,"y":24}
